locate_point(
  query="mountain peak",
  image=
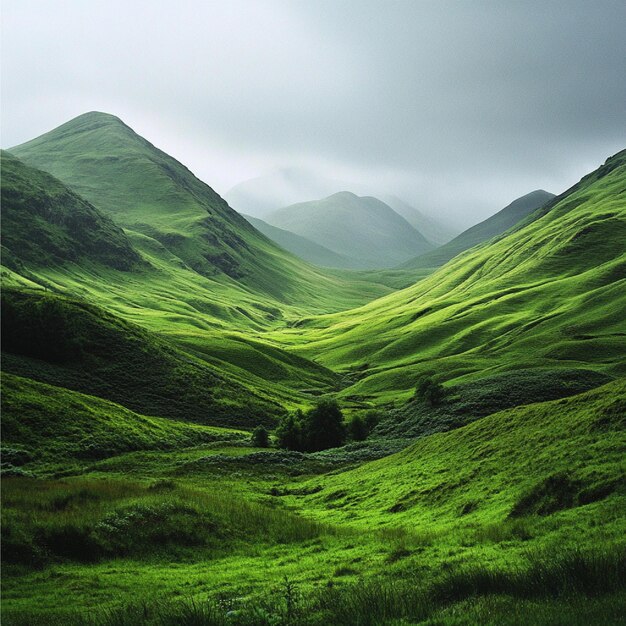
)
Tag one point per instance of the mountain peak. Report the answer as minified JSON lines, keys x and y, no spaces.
{"x":344,"y":195}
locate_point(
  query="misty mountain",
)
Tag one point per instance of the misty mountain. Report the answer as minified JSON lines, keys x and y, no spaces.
{"x":282,"y":187}
{"x":300,"y":246}
{"x":485,"y":230}
{"x":365,"y":229}
{"x":436,"y":231}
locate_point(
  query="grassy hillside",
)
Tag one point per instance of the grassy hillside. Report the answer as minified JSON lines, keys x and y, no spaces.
{"x":549,"y":294}
{"x":365,"y":229}
{"x":79,"y":346}
{"x":44,"y":426}
{"x":495,"y":225}
{"x":300,"y":246}
{"x":173,"y":216}
{"x":484,"y":522}
{"x":561,"y":457}
{"x":45,"y":223}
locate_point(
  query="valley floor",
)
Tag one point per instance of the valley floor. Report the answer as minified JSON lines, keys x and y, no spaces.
{"x":222,"y":533}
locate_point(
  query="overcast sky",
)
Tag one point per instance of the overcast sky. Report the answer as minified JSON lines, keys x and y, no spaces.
{"x":459,"y":107}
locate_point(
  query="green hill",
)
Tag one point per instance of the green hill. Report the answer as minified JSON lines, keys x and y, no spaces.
{"x":170,"y":214}
{"x":74,"y":344}
{"x":550,"y":294}
{"x":495,"y":225}
{"x":300,"y":246}
{"x":363,"y":229}
{"x":39,"y":427}
{"x":45,"y":223}
{"x":545,"y":458}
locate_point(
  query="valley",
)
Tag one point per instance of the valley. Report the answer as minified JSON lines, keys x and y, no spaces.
{"x":150,"y":331}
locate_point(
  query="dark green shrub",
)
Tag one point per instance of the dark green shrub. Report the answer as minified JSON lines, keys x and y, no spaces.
{"x":260,"y":437}
{"x":289,"y":432}
{"x":429,"y":391}
{"x":323,"y":427}
{"x":357,"y":430}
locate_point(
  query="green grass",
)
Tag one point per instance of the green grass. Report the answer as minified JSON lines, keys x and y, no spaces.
{"x":77,"y":345}
{"x":550,"y":294}
{"x":54,"y":429}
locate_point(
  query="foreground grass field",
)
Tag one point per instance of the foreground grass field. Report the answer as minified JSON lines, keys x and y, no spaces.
{"x":467,"y":529}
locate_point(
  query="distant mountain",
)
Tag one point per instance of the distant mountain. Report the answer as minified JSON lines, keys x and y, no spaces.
{"x":436,"y":231}
{"x":508,"y":217}
{"x":364,"y":229}
{"x":300,"y":246}
{"x":46,"y":223}
{"x":260,"y":196}
{"x":547,"y":294}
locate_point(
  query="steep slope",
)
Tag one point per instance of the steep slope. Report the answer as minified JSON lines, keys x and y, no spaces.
{"x":491,"y":227}
{"x":361,"y":228}
{"x":550,"y":294}
{"x":300,"y":246}
{"x":170,"y":213}
{"x":45,"y":223}
{"x":433,"y":230}
{"x":540,"y":459}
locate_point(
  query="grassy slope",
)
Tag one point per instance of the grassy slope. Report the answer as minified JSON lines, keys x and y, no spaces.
{"x":489,"y":228}
{"x":550,"y":294}
{"x":539,"y":459}
{"x":45,"y":223}
{"x":44,"y":426}
{"x":300,"y":246}
{"x":81,"y":347}
{"x":412,"y":534}
{"x":178,"y":218}
{"x":365,"y":229}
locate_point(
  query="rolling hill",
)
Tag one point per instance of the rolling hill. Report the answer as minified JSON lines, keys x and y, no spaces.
{"x":79,"y":346}
{"x":549,"y":294}
{"x":495,"y":225}
{"x":363,"y":229}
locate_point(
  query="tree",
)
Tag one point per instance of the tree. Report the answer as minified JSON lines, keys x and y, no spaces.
{"x":357,"y":429}
{"x":429,"y":391}
{"x":289,"y":432}
{"x":323,"y":427}
{"x":260,"y":437}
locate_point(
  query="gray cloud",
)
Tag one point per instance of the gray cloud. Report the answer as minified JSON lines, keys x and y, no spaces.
{"x":457,"y":106}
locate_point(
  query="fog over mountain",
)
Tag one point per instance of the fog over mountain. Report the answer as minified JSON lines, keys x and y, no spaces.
{"x":457,"y":108}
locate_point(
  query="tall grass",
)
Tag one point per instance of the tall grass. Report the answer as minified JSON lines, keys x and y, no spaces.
{"x":89,"y":520}
{"x":547,"y":578}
